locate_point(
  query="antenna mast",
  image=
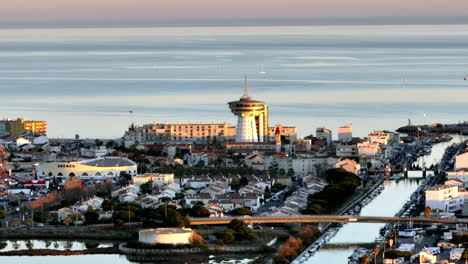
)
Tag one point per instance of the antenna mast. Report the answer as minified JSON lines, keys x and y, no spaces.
{"x":246,"y":87}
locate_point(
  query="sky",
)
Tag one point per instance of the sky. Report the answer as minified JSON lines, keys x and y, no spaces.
{"x":55,"y":11}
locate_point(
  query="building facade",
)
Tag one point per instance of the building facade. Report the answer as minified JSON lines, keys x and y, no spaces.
{"x":252,"y":118}
{"x":325,"y":134}
{"x":19,"y":126}
{"x":98,"y":168}
{"x":444,"y":198}
{"x":345,"y":132}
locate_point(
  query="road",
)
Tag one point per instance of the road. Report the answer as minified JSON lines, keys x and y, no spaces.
{"x":325,"y":218}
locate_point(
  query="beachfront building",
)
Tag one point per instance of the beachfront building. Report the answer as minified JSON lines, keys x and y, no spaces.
{"x":445,"y":198}
{"x":324,"y":134}
{"x":9,"y":127}
{"x":345,"y":132}
{"x":252,"y":118}
{"x":180,"y":133}
{"x":98,"y":168}
{"x":252,"y":127}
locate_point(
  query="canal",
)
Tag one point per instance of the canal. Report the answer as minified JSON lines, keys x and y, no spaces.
{"x":393,"y":197}
{"x":388,"y":203}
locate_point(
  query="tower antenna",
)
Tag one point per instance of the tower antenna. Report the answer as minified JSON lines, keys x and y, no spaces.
{"x":246,"y":87}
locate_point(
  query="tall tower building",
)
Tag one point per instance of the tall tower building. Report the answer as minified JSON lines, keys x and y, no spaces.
{"x":252,"y":123}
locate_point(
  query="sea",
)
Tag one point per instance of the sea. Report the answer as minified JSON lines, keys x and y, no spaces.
{"x":96,"y":82}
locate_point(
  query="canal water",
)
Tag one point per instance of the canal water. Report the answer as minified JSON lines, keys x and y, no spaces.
{"x":437,"y":152}
{"x":392,"y":198}
{"x":388,"y":203}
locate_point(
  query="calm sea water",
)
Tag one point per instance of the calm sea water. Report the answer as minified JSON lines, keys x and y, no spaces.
{"x":86,"y":81}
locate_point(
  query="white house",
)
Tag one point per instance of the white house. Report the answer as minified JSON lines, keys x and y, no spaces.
{"x":255,"y":161}
{"x":158,"y":179}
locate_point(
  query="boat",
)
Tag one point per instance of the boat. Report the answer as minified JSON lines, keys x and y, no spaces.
{"x":263,"y":71}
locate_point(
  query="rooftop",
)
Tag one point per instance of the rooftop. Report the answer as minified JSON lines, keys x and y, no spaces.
{"x":108,"y":162}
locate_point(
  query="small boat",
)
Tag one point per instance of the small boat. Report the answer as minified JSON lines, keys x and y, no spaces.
{"x":263,"y":71}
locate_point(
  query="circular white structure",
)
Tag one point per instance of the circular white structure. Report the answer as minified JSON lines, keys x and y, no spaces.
{"x":173,"y":236}
{"x":252,"y":123}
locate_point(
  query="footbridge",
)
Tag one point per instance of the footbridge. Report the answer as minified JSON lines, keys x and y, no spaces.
{"x":325,"y":219}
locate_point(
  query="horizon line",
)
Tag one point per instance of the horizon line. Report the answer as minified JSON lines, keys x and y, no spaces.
{"x":232,"y":22}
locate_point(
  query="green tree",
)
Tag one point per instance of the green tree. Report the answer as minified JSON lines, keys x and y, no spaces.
{"x":146,"y":188}
{"x":199,"y":211}
{"x":125,"y":178}
{"x":68,"y":220}
{"x":165,"y":199}
{"x":91,"y":216}
{"x":235,"y":184}
{"x":241,"y":211}
{"x":244,"y":181}
{"x":29,"y":222}
{"x":228,"y":236}
{"x":15,"y":223}
{"x":3,"y":214}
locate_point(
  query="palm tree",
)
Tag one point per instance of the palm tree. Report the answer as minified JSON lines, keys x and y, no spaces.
{"x":376,"y":252}
{"x":29,"y":222}
{"x":15,"y":223}
{"x":68,"y":220}
{"x":366,"y":259}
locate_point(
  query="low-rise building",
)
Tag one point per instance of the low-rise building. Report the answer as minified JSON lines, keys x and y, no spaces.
{"x":256,"y":161}
{"x":349,"y":165}
{"x":99,"y":168}
{"x":158,"y":179}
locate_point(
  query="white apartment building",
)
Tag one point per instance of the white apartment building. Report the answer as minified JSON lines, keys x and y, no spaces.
{"x":444,"y":198}
{"x":183,"y":133}
{"x":368,"y":149}
{"x":345,"y":132}
{"x":325,"y":134}
{"x":346,"y":150}
{"x":380,"y":137}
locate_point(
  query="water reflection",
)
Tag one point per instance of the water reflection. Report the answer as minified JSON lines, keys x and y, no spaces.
{"x":8,"y":245}
{"x":437,"y":152}
{"x":387,"y":203}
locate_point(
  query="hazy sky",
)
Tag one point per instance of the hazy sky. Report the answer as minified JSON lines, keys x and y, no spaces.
{"x":173,"y":10}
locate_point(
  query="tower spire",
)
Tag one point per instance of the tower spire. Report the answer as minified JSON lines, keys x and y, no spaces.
{"x":246,"y":87}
